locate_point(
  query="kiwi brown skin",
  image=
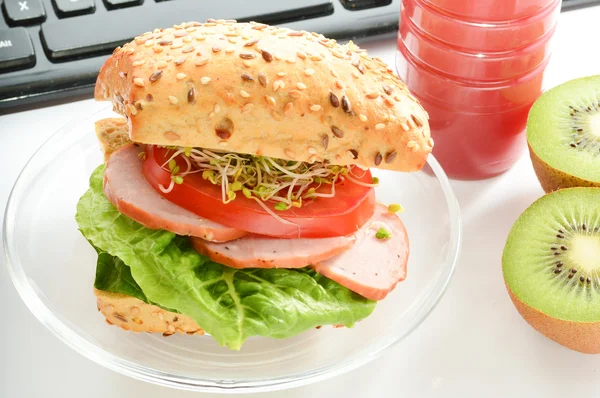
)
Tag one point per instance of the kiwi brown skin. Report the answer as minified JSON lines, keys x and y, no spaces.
{"x":579,"y":336}
{"x":553,"y":179}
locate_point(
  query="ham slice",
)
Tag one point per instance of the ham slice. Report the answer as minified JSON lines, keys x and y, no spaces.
{"x":371,"y":267}
{"x":127,"y":189}
{"x":256,"y":251}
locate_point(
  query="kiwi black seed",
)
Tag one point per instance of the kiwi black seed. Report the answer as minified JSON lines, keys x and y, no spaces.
{"x":563,"y":132}
{"x":551,"y":267}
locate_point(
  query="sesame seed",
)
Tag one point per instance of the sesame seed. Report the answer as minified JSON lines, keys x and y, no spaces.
{"x":217,"y":108}
{"x":247,"y":77}
{"x":277,"y":57}
{"x":200,"y":37}
{"x":232,"y":40}
{"x":187,"y":49}
{"x":201,"y":61}
{"x":295,"y":94}
{"x":290,"y":60}
{"x":181,"y":76}
{"x":335,"y":101}
{"x":338,"y":54}
{"x":138,"y":62}
{"x":354,"y":153}
{"x":411,"y":144}
{"x":309,"y":72}
{"x":149,"y":97}
{"x":176,"y":45}
{"x":205,"y":80}
{"x":411,"y":123}
{"x":414,"y":148}
{"x":289,"y":153}
{"x":389,"y":101}
{"x":325,"y":141}
{"x":388,"y":90}
{"x":389,"y":158}
{"x":230,"y":49}
{"x":180,"y":33}
{"x":247,"y":63}
{"x":173,"y":100}
{"x":281,"y":74}
{"x":334,"y":73}
{"x":379,"y":126}
{"x":397,"y":98}
{"x":161,"y":64}
{"x":417,"y":120}
{"x":191,"y":97}
{"x":378,"y":159}
{"x":276,"y":115}
{"x":262,"y":78}
{"x":346,"y":105}
{"x":247,"y":55}
{"x":244,"y":94}
{"x":251,"y":43}
{"x":288,"y":108}
{"x":179,"y":60}
{"x":337,"y":132}
{"x":270,"y":100}
{"x":294,"y":33}
{"x":168,"y":58}
{"x":216,"y":48}
{"x":157,"y":49}
{"x":247,"y":108}
{"x":138,"y":82}
{"x":190,"y":29}
{"x":339,"y":84}
{"x":267,"y":56}
{"x":149,"y":43}
{"x":362,"y":118}
{"x":187,"y":39}
{"x":130,"y":50}
{"x":372,"y":95}
{"x":430,"y":142}
{"x":132,"y":110}
{"x":278,"y":84}
{"x":315,"y":108}
{"x":301,"y":86}
{"x":155,"y":76}
{"x":301,"y":54}
{"x":404,"y":126}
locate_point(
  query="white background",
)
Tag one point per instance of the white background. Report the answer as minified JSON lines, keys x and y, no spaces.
{"x":473,"y":344}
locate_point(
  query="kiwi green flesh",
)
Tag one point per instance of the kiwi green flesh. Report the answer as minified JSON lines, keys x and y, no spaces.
{"x":551,"y":261}
{"x":563,"y":128}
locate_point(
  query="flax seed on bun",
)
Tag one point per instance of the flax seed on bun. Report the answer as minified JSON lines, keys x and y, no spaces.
{"x":263,"y":90}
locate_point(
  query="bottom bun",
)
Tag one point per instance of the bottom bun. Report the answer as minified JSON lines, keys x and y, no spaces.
{"x":132,"y":314}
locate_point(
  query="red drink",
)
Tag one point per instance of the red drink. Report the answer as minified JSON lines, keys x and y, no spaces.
{"x":478,"y":100}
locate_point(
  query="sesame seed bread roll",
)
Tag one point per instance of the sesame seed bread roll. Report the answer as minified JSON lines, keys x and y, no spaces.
{"x":133,"y":314}
{"x":262,"y":90}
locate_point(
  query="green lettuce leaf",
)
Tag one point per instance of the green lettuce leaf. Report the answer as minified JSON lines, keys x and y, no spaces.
{"x":112,"y":275}
{"x":229,"y":304}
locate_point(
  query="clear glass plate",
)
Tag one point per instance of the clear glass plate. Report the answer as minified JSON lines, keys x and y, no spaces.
{"x":53,"y":268}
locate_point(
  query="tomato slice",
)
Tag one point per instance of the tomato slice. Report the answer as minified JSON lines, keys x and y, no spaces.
{"x":351,"y":207}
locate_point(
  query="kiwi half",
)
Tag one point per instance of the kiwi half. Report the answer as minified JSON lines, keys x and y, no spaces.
{"x":551,"y":267}
{"x":563,"y":132}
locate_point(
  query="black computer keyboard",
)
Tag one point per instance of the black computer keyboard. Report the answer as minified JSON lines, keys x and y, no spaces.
{"x":52,"y":49}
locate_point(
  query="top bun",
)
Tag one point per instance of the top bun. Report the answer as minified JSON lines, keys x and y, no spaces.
{"x":268,"y":91}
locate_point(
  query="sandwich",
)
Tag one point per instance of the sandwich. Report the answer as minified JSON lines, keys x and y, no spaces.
{"x":236,"y":197}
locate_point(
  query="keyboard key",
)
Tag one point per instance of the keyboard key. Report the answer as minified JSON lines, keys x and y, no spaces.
{"x":76,"y":37}
{"x":70,"y":8}
{"x":112,"y":4}
{"x":22,"y":12}
{"x":16,"y":50}
{"x":355,"y":5}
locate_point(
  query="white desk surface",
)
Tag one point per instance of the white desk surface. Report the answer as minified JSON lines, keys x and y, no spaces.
{"x":473,"y":344}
